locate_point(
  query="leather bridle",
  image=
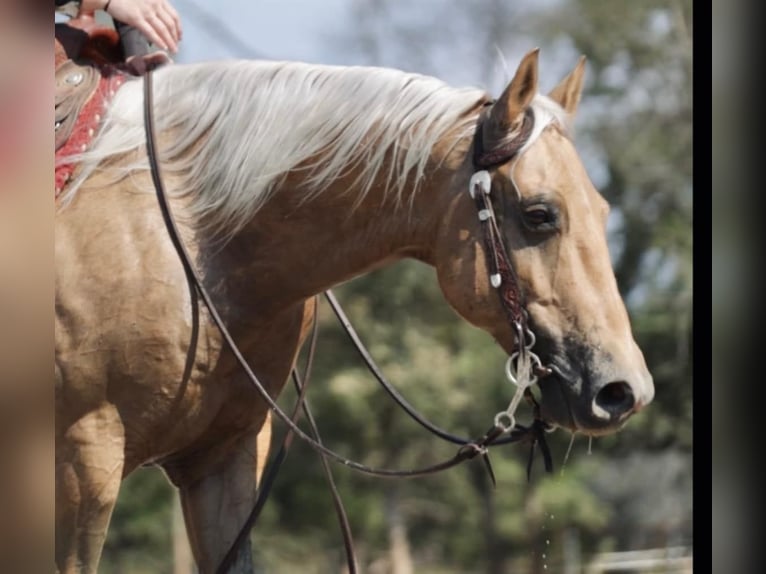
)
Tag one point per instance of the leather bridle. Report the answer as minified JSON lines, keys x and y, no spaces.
{"x":523,"y":366}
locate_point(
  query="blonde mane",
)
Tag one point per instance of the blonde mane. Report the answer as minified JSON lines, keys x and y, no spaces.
{"x":235,"y":130}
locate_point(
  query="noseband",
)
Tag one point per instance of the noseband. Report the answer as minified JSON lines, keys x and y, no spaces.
{"x":522,"y":368}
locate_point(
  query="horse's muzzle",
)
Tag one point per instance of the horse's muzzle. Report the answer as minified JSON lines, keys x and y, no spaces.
{"x":582,"y":403}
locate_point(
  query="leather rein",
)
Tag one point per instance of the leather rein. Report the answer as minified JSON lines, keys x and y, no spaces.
{"x":522,"y":368}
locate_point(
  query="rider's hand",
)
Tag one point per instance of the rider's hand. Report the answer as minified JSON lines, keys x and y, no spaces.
{"x":156,"y":19}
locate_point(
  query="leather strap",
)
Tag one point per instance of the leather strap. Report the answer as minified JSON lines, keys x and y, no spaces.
{"x":485,"y":159}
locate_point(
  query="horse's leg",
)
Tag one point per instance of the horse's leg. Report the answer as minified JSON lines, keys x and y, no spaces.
{"x":218,"y":484}
{"x":216,"y":505}
{"x":89,"y":464}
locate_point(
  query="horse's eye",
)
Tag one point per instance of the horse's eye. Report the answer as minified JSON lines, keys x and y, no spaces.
{"x":540,"y":217}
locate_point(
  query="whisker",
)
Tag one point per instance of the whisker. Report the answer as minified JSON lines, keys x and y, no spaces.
{"x":569,"y":450}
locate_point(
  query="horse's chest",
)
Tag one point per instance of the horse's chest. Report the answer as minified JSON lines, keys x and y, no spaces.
{"x":127,"y":333}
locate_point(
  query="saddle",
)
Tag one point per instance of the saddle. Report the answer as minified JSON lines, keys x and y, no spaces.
{"x":88,"y":61}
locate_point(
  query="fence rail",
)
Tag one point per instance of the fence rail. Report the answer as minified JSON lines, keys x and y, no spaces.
{"x":676,"y":560}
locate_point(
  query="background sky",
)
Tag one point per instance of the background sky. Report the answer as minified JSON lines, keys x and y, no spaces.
{"x":318,"y":31}
{"x":272,"y":29}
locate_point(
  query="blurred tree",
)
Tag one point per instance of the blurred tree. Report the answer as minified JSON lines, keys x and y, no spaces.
{"x":140,"y":539}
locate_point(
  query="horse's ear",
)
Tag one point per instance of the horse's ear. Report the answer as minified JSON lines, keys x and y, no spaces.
{"x":567,"y":93}
{"x":509,"y":108}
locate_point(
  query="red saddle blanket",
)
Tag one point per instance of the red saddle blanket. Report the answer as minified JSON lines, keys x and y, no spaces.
{"x":88,"y":75}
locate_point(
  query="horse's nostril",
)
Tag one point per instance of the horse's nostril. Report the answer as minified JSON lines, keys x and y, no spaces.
{"x":615,"y":398}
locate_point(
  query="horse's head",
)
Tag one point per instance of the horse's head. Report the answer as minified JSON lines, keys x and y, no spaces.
{"x":553,"y":222}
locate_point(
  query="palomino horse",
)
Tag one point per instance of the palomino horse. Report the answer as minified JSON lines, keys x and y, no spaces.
{"x":288,"y":179}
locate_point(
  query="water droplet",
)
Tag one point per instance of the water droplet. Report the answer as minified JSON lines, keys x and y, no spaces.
{"x":544,"y":555}
{"x":545,"y":566}
{"x":552,"y":517}
{"x":569,"y":450}
{"x":548,"y":542}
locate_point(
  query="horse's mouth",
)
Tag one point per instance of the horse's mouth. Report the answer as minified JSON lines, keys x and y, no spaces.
{"x":564,"y":403}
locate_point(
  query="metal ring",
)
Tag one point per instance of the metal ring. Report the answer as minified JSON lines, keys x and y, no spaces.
{"x":532,"y":338}
{"x":509,"y":417}
{"x":535,"y":360}
{"x":509,"y":371}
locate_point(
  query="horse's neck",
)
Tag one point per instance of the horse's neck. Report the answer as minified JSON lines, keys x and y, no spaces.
{"x":295,"y":248}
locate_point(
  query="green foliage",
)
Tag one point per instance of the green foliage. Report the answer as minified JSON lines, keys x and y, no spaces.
{"x":567,"y":497}
{"x":141,"y":540}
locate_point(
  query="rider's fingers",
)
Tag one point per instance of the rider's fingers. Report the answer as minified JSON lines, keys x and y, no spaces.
{"x":172,"y":25}
{"x":175,"y":18}
{"x":163,"y":32}
{"x":148,"y":30}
